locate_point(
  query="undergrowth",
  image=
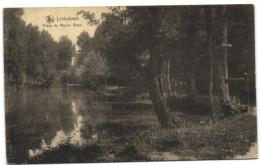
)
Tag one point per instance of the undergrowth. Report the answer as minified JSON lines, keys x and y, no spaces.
{"x":222,"y":140}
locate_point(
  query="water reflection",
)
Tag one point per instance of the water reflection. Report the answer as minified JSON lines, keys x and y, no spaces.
{"x":74,"y":107}
{"x":59,"y":139}
{"x":42,"y":119}
{"x":73,"y":138}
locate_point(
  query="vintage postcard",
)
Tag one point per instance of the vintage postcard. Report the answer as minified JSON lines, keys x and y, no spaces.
{"x":130,"y":83}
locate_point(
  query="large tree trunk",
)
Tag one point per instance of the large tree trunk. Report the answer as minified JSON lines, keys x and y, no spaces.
{"x":221,"y":68}
{"x":215,"y":17}
{"x":224,"y":40}
{"x":154,"y":86}
{"x":221,"y":85}
{"x":209,"y":22}
{"x":168,"y":78}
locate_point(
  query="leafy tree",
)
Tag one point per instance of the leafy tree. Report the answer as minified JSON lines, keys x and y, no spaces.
{"x":132,"y":43}
{"x":85,"y":45}
{"x":48,"y":58}
{"x":49,"y":51}
{"x":93,"y":71}
{"x":14,"y":47}
{"x":33,"y":53}
{"x":148,"y":22}
{"x":64,"y":53}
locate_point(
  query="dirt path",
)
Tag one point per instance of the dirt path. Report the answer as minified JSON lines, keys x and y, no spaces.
{"x":252,"y":110}
{"x":158,"y":156}
{"x":252,"y":153}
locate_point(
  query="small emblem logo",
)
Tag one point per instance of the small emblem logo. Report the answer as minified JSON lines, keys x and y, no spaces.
{"x":50,"y":19}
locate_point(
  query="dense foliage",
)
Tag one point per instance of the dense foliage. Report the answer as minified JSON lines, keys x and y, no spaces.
{"x":167,"y":50}
{"x":32,"y":57}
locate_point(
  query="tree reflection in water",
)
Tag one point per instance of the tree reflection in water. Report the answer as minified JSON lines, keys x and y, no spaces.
{"x":38,"y":120}
{"x":73,"y":138}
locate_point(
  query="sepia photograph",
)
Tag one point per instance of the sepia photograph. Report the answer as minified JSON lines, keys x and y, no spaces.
{"x":129,"y":83}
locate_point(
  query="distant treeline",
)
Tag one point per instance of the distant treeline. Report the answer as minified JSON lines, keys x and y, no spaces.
{"x":33,"y":58}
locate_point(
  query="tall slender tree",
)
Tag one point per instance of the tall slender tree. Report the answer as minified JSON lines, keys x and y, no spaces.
{"x":14,"y":47}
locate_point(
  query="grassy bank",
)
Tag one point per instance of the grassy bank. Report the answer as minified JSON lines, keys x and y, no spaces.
{"x":222,"y":140}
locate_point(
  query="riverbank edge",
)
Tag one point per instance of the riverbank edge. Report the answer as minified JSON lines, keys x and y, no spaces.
{"x":221,"y":141}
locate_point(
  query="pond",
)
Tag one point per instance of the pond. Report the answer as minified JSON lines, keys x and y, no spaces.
{"x":42,"y":119}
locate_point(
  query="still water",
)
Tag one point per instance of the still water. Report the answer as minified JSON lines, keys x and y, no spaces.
{"x":42,"y":119}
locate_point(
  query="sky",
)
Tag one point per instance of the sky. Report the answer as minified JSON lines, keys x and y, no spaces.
{"x":37,"y":16}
